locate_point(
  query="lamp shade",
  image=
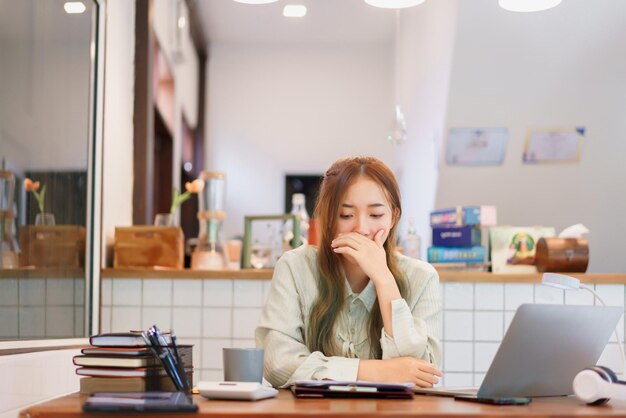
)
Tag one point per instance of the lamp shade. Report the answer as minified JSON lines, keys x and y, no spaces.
{"x":394,"y":4}
{"x":528,"y":5}
{"x":560,"y":281}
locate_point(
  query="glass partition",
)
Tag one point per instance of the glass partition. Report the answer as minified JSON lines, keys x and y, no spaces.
{"x":47,"y":142}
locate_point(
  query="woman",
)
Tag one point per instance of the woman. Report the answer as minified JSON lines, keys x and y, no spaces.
{"x":353,"y":309}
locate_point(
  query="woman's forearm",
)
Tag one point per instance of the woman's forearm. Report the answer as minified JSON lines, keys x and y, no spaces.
{"x":387,"y":291}
{"x":368,"y":370}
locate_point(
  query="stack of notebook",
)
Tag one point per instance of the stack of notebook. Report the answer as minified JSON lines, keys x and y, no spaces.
{"x":121,"y":362}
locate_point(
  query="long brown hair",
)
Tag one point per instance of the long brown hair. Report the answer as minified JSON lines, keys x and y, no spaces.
{"x":329,"y":303}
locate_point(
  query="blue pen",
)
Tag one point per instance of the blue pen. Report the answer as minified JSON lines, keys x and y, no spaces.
{"x":179,"y":360}
{"x":169,"y":363}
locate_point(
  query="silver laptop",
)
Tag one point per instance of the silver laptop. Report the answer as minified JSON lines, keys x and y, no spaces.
{"x":542,"y":351}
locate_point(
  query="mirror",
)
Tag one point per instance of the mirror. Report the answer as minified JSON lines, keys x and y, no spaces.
{"x":46,"y":141}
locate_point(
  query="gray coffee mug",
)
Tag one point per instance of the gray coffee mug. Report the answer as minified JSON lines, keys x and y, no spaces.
{"x":243,"y":364}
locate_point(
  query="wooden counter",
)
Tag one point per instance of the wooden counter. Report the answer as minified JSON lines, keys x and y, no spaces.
{"x":42,"y":273}
{"x":266,"y":274}
{"x":286,"y":406}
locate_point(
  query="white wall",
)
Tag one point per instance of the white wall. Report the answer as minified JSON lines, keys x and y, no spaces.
{"x":34,"y":377}
{"x":424,"y":58}
{"x":44,"y":88}
{"x":117,"y":166}
{"x":273,"y":111}
{"x":561,"y":67}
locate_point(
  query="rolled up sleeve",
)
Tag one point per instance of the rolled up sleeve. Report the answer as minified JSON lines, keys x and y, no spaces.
{"x":416,"y":329}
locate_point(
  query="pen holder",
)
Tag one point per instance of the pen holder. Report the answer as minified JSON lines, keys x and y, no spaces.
{"x":169,"y":356}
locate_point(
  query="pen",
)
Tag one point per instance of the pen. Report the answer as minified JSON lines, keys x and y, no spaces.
{"x":168,"y":358}
{"x":161,"y":349}
{"x":181,"y":369}
{"x":175,"y":346}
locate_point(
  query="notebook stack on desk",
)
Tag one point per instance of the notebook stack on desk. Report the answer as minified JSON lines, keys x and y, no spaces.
{"x":121,"y":362}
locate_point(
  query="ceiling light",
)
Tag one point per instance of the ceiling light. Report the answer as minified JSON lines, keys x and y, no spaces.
{"x":528,"y":5}
{"x":394,"y":4}
{"x":294,"y":10}
{"x":74,"y":7}
{"x":255,"y":1}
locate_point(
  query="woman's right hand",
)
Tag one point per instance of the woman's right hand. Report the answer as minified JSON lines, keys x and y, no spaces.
{"x":400,"y":369}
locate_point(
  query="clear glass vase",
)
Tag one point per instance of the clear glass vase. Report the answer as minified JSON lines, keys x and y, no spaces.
{"x":45,"y":219}
{"x":165,"y":219}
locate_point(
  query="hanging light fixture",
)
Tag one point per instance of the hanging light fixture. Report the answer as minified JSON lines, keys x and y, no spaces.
{"x":528,"y":5}
{"x":255,"y":1}
{"x":397,"y":132}
{"x":394,"y":4}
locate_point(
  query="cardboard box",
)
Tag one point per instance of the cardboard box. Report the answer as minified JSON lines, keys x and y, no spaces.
{"x":456,"y":254}
{"x":456,"y":236}
{"x":465,"y":215}
{"x":52,"y":246}
{"x":149,"y":246}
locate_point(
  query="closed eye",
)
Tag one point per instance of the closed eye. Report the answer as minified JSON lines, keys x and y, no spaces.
{"x":345,"y":216}
{"x":376,"y":216}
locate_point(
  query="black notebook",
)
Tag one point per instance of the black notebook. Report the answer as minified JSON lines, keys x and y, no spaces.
{"x":140,"y":402}
{"x":347,"y":389}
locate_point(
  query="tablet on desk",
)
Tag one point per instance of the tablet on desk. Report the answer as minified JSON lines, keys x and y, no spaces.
{"x":140,"y":402}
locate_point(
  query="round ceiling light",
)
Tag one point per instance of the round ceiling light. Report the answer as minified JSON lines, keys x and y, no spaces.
{"x":255,"y":1}
{"x":394,"y":4}
{"x":528,"y":5}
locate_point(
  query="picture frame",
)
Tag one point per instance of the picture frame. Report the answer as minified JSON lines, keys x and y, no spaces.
{"x":269,"y":249}
{"x":476,"y":146}
{"x":560,"y":145}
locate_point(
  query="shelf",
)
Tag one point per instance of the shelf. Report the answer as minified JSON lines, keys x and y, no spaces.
{"x":266,"y":274}
{"x":43,"y":273}
{"x":110,"y":273}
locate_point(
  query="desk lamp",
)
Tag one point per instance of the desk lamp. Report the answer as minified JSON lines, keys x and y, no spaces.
{"x":564,"y":282}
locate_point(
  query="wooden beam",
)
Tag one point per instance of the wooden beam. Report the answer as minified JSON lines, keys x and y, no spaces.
{"x":143,"y":142}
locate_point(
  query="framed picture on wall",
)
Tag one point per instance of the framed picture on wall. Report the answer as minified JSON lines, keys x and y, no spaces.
{"x":553,"y":145}
{"x":476,"y":146}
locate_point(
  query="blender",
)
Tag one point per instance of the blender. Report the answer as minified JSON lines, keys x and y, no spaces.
{"x":210,"y":252}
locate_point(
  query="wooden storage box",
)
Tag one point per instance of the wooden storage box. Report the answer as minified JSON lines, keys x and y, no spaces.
{"x":149,"y":246}
{"x":562,"y":255}
{"x":52,"y":246}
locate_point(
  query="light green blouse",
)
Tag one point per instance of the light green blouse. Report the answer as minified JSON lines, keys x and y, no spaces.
{"x":416,"y":323}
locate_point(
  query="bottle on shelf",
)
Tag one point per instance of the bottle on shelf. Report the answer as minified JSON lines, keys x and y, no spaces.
{"x":412,"y":243}
{"x":298,"y":209}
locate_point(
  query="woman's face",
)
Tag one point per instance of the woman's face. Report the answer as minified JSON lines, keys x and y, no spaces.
{"x":365,"y":210}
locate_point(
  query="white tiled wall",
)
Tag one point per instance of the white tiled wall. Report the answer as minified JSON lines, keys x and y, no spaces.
{"x":476,"y":317}
{"x":212,"y":314}
{"x":42,"y":308}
